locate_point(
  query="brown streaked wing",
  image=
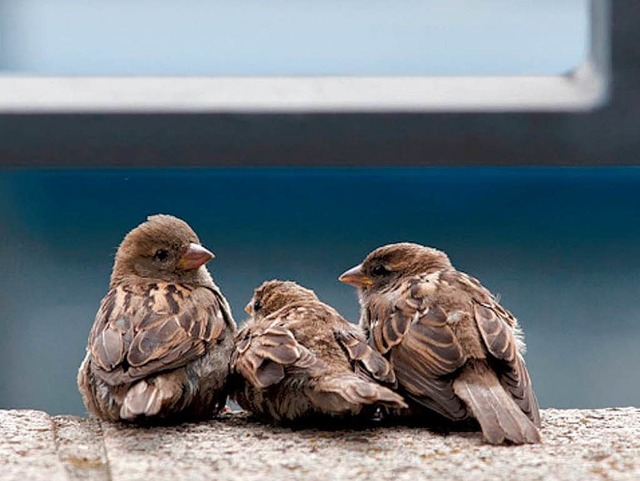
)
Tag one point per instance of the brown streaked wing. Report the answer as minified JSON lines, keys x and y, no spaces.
{"x":391,"y":321}
{"x":107,"y":338}
{"x":278,"y":344}
{"x":254,"y":368}
{"x":428,"y":353}
{"x":500,"y":341}
{"x":496,"y":333}
{"x":109,"y":348}
{"x":482,"y":295}
{"x":423,"y":387}
{"x":466,"y":283}
{"x":225,"y":309}
{"x":423,"y":348}
{"x":370,"y":362}
{"x":242,"y":341}
{"x":136,"y":329}
{"x":515,"y":379}
{"x":270,"y":351}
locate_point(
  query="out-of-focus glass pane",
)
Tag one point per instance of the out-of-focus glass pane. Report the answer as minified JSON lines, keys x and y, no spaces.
{"x":289,"y":37}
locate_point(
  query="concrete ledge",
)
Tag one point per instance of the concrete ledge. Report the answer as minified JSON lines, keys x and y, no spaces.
{"x":578,"y":445}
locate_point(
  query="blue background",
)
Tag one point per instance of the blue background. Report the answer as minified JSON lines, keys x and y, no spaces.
{"x":560,"y":245}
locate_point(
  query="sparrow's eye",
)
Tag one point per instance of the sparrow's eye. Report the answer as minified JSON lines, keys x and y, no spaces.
{"x":257,"y":306}
{"x":161,"y":255}
{"x":380,"y":271}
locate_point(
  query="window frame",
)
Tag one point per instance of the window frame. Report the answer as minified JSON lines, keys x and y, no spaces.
{"x":585,"y":88}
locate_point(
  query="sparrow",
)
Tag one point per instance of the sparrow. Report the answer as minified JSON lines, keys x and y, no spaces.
{"x":160,"y":345}
{"x":299,"y":359}
{"x":454,"y":349}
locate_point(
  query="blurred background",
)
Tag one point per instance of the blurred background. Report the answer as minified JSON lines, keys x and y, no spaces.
{"x":284,"y":37}
{"x":559,"y":245}
{"x":298,"y":196}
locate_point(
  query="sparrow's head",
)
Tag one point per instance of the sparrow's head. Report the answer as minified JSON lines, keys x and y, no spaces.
{"x":274,"y":295}
{"x":164,"y":248}
{"x":388,"y":263}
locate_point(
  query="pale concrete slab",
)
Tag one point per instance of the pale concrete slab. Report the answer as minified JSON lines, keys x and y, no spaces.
{"x":578,"y":445}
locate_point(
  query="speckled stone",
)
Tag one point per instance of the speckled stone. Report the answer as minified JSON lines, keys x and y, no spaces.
{"x":577,"y":445}
{"x":28,"y":447}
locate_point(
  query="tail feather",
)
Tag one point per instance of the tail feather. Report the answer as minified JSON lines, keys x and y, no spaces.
{"x":499,"y":416}
{"x":147,"y":398}
{"x":358,"y":391}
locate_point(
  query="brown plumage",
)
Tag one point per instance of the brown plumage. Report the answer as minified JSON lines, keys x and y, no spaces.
{"x":453,"y":348}
{"x":297,"y":358}
{"x":160,"y":345}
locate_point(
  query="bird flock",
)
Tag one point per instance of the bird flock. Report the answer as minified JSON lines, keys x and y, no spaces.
{"x":433,"y":345}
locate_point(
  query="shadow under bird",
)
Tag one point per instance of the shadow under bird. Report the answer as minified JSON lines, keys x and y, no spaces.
{"x":160,"y":345}
{"x":454,"y":349}
{"x":297,"y":358}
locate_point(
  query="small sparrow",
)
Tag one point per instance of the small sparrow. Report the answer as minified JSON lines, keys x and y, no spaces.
{"x":453,"y":348}
{"x":297,"y":358}
{"x":160,"y":345}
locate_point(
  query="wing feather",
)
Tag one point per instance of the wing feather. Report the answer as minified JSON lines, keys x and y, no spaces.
{"x":411,"y":324}
{"x":368,"y":361}
{"x":422,"y":348}
{"x":498,"y":329}
{"x":141,"y":330}
{"x":495,"y":326}
{"x":265,"y":351}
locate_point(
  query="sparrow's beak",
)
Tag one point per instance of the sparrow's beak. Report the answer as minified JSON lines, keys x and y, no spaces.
{"x":193,"y":257}
{"x":248,"y":308}
{"x":356,"y":277}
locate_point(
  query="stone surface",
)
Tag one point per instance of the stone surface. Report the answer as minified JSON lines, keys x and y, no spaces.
{"x":81,"y":448}
{"x":578,"y":445}
{"x":28,"y":447}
